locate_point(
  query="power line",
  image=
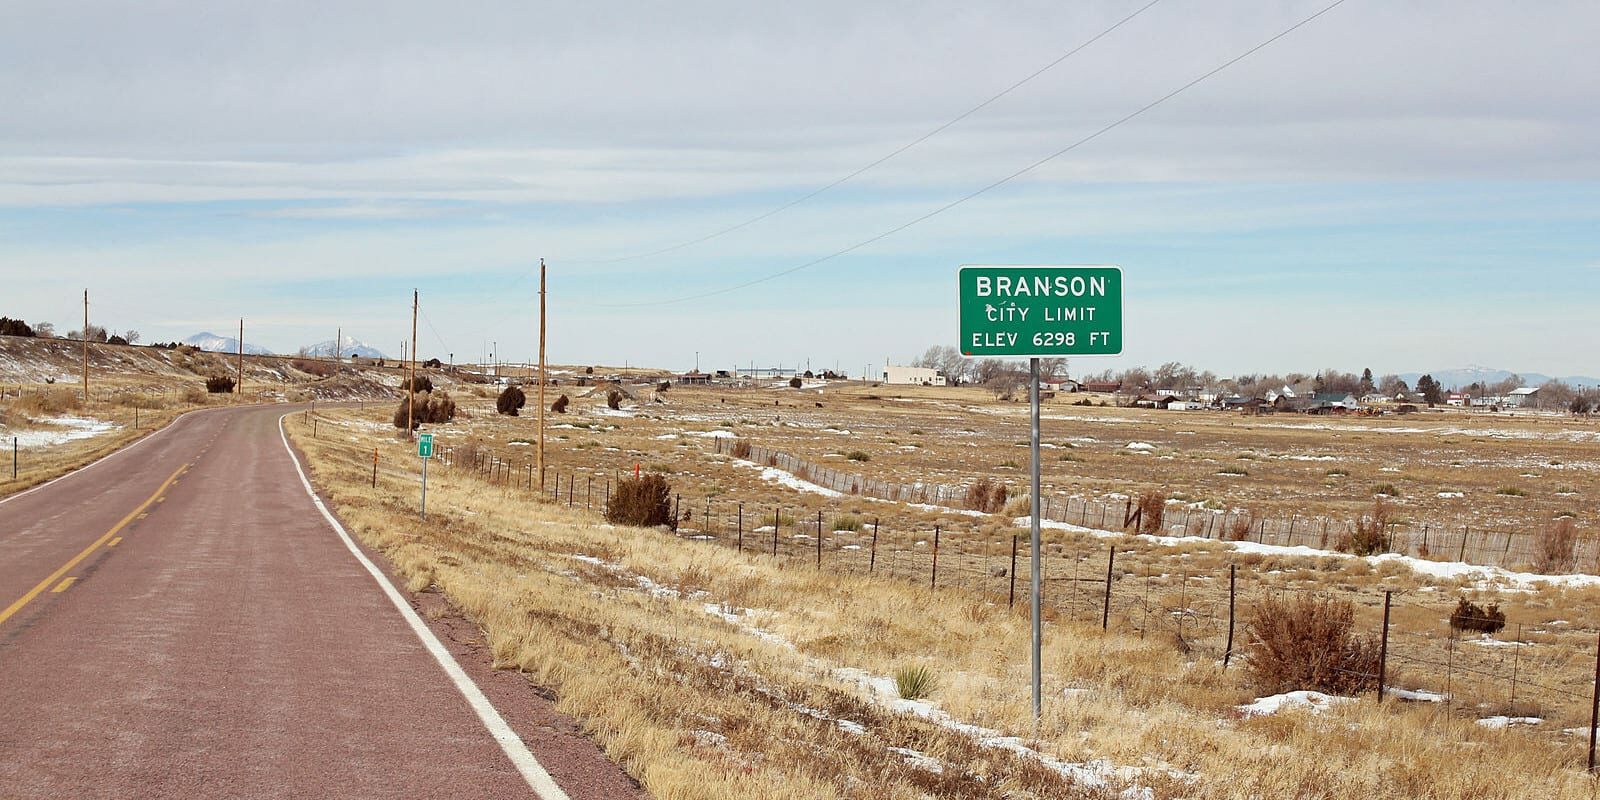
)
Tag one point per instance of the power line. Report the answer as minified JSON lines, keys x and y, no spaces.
{"x":436,"y":335}
{"x":996,"y":184}
{"x":907,"y":146}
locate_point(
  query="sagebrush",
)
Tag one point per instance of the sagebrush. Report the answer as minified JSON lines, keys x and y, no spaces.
{"x":1469,"y":616}
{"x":510,"y":401}
{"x":1556,"y":546}
{"x":644,"y":502}
{"x":986,"y":495}
{"x":1308,"y":642}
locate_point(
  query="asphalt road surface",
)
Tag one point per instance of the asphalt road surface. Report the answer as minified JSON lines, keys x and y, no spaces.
{"x":182,"y":619}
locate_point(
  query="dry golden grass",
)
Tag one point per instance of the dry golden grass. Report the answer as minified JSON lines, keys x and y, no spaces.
{"x":135,"y":415}
{"x":697,"y":706}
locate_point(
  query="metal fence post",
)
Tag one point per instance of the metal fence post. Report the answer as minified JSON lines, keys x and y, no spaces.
{"x":1105,"y":610}
{"x":872,"y":562}
{"x":1233,"y":576}
{"x":1011,"y":597}
{"x":1383,"y":645}
{"x":933,"y":577}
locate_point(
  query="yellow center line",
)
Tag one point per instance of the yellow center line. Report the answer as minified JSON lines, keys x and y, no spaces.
{"x":116,"y":541}
{"x":62,"y":586}
{"x":12,"y":609}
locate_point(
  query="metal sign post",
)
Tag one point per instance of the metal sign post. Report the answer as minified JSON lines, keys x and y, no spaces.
{"x":1037,"y":312}
{"x":425,"y":452}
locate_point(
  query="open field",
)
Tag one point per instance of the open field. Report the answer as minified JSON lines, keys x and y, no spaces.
{"x":709,"y":672}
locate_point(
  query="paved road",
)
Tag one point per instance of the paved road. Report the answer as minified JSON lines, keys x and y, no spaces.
{"x":180,"y":620}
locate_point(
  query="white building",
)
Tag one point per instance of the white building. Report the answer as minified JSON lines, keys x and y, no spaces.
{"x":1521,"y":397}
{"x":912,"y":376}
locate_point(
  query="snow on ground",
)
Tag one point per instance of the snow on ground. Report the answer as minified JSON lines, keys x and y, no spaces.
{"x":882,"y":691}
{"x":717,"y":434}
{"x":1487,"y":577}
{"x":1501,"y":722}
{"x":789,"y":479}
{"x":1140,"y":446}
{"x":967,"y":512}
{"x":1415,"y":695}
{"x":59,"y":430}
{"x":1316,"y":702}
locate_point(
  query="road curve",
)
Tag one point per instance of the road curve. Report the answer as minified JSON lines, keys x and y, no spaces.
{"x":181,"y":620}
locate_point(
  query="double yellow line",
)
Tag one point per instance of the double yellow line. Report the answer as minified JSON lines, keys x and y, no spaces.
{"x":87,"y":551}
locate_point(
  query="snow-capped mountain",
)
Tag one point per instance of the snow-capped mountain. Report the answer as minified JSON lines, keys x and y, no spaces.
{"x":213,"y":343}
{"x":1456,"y":378}
{"x":352,"y":347}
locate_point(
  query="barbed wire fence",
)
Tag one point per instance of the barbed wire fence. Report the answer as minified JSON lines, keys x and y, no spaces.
{"x":1201,"y":612}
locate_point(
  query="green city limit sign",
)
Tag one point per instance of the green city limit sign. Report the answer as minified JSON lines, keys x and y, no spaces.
{"x":1040,"y":311}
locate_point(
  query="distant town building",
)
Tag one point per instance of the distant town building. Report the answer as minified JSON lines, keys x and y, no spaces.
{"x":1521,"y":397}
{"x":912,"y":376}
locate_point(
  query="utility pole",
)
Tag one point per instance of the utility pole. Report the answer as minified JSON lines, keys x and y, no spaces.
{"x":411,"y":383}
{"x":85,"y":346}
{"x":542,"y":380}
{"x":238,"y":387}
{"x":338,"y":346}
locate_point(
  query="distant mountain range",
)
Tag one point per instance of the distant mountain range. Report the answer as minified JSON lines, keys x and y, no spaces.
{"x":213,"y":343}
{"x":352,"y":347}
{"x":1457,"y":378}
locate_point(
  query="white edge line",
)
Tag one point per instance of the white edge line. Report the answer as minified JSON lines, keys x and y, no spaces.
{"x":108,"y":456}
{"x":515,"y":749}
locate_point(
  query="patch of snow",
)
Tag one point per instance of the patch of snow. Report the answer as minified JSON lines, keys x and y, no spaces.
{"x":65,"y":429}
{"x":1140,"y":446}
{"x":967,"y":512}
{"x":775,"y":475}
{"x":919,"y":760}
{"x":1502,"y":722}
{"x":1316,"y":702}
{"x":1415,"y":695}
{"x":1449,"y":495}
{"x":717,"y":434}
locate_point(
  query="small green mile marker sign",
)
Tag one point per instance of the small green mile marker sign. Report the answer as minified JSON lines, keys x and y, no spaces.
{"x":425,"y":445}
{"x":1040,"y":311}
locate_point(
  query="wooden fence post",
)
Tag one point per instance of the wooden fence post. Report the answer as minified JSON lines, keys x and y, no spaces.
{"x":739,"y":548}
{"x":1594,"y":709}
{"x":775,"y":532}
{"x":933,"y":578}
{"x":819,"y":539}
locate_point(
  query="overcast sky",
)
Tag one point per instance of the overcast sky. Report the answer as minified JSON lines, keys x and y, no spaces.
{"x":1400,"y":185}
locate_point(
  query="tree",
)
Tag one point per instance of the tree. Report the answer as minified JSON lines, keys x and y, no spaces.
{"x":1429,"y":389}
{"x":1579,"y":405}
{"x":1367,"y":387}
{"x":1173,"y":375}
{"x":947,"y":360}
{"x":44,"y":330}
{"x":1052,"y":368}
{"x":1392,"y":385}
{"x":131,"y":335}
{"x":14,"y":327}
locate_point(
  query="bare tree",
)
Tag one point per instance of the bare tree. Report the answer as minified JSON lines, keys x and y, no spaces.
{"x":44,"y":330}
{"x":1052,"y":368}
{"x":1392,"y":385}
{"x":131,"y":336}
